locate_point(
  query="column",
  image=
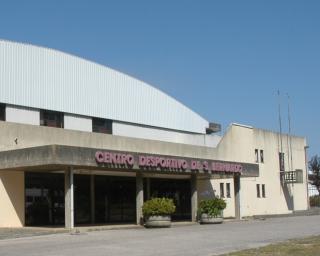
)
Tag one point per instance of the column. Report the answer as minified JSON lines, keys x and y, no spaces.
{"x":236,"y":181}
{"x":194,"y":198}
{"x":148,"y":188}
{"x":139,"y":197}
{"x":92,"y":199}
{"x":68,"y":198}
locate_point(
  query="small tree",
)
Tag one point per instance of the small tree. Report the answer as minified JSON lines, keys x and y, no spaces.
{"x":314,"y":176}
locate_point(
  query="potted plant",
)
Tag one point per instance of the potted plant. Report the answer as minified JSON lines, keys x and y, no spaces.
{"x":211,"y":210}
{"x":157,"y":212}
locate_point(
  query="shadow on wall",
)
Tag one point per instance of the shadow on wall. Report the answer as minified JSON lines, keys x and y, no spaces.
{"x":13,"y":183}
{"x":288,"y":196}
{"x":205,"y":189}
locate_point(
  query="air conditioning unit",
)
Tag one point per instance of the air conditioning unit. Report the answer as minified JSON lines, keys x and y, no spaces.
{"x":213,"y":127}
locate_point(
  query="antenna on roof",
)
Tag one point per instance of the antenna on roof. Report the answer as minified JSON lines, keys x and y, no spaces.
{"x":281,"y":154}
{"x":289,"y":135}
{"x":280,"y":126}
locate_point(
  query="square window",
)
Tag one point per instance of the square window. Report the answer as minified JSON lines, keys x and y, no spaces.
{"x":51,"y":118}
{"x":102,"y":125}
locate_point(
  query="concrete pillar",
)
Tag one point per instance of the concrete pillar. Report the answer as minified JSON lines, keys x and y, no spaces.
{"x":148,"y":188}
{"x":236,"y":181}
{"x":92,"y":199}
{"x":69,"y":198}
{"x":139,"y":197}
{"x":194,"y":198}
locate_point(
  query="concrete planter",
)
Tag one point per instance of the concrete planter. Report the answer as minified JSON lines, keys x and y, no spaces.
{"x":206,"y":219}
{"x":158,"y":221}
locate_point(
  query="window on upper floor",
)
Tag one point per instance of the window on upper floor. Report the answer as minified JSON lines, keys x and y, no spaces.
{"x":51,"y":118}
{"x":2,"y":112}
{"x":102,"y":125}
{"x":281,"y":162}
{"x":256,"y":155}
{"x":222,"y":190}
{"x":228,"y":190}
{"x":258,"y":191}
{"x":261,"y":156}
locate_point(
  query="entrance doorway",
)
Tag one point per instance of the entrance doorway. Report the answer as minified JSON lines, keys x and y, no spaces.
{"x":114,"y":199}
{"x":44,"y":199}
{"x":176,"y":189}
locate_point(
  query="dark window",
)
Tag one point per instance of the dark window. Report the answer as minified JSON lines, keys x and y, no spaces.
{"x":228,"y":190}
{"x":44,"y":199}
{"x":178,"y":190}
{"x":258,"y":190}
{"x":51,"y":118}
{"x":261,"y":156}
{"x":221,"y":190}
{"x":263,"y":190}
{"x":256,"y":155}
{"x":2,"y":112}
{"x":281,"y":161}
{"x":102,"y":125}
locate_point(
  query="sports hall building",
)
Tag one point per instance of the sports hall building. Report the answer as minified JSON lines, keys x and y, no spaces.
{"x":83,"y":144}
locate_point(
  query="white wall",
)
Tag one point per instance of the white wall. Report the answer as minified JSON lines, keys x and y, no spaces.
{"x":239,"y":144}
{"x":153,"y":133}
{"x":208,"y":188}
{"x":23,"y":115}
{"x":47,"y":79}
{"x":79,"y":123}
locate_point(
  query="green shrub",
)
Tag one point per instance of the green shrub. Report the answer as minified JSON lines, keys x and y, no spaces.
{"x":158,"y":206}
{"x":212,"y":207}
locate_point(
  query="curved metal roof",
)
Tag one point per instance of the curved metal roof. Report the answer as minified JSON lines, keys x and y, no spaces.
{"x":43,"y":78}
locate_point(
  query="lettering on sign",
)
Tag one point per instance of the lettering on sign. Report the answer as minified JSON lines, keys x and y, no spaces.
{"x":141,"y":161}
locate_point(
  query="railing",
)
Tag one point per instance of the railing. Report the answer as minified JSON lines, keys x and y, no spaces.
{"x":292,"y":176}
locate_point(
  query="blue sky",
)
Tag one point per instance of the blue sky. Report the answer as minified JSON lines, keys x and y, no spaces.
{"x":223,"y":59}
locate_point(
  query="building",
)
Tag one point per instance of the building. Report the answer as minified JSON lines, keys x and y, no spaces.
{"x":81,"y":144}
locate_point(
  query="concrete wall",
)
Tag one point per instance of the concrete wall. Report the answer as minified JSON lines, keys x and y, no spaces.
{"x":22,"y":115}
{"x":31,"y":136}
{"x":208,"y":188}
{"x":154,"y":133}
{"x":239,"y":144}
{"x":11,"y":199}
{"x":78,"y":123}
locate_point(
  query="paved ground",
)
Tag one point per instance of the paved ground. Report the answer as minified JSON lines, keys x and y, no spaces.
{"x":6,"y":233}
{"x":181,"y":240}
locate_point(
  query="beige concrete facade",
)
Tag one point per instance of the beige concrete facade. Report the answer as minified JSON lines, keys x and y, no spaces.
{"x":11,"y":199}
{"x":237,"y":145}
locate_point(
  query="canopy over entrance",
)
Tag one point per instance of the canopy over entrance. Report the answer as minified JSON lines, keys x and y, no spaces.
{"x":55,"y":157}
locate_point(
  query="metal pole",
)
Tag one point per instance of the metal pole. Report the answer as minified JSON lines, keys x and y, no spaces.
{"x":307,"y":176}
{"x":71,"y":198}
{"x":280,"y":125}
{"x":290,"y":140}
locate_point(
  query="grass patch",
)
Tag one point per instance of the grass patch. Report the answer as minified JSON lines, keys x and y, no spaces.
{"x":309,"y":246}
